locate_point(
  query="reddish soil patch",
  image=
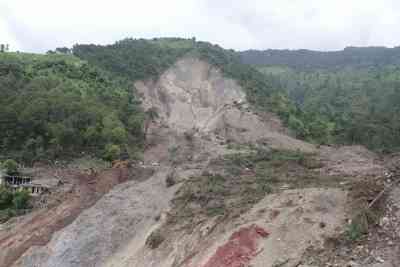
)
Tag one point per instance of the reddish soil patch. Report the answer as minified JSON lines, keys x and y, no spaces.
{"x":240,"y":248}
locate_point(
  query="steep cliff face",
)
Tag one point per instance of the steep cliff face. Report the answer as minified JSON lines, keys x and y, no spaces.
{"x":203,"y":116}
{"x":190,"y":95}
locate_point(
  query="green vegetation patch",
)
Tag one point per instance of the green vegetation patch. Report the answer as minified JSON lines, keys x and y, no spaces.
{"x":12,"y":203}
{"x":345,"y":106}
{"x":10,"y":166}
{"x":135,"y":59}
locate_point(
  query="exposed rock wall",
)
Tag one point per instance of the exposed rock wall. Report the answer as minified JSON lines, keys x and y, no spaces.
{"x":194,"y":96}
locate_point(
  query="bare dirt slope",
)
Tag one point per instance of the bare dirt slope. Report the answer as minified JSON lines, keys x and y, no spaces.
{"x":36,"y":229}
{"x":190,"y":212}
{"x":293,"y":220}
{"x":123,"y":215}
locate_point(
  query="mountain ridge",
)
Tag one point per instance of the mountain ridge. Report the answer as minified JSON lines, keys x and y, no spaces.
{"x":311,"y":59}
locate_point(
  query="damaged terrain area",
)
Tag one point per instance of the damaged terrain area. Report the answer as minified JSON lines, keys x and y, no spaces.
{"x":77,"y":192}
{"x":219,"y":185}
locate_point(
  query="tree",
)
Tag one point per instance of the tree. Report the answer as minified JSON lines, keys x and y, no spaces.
{"x":113,"y":129}
{"x":112,"y":152}
{"x":10,"y":166}
{"x":136,"y":124}
{"x":119,"y":135}
{"x":63,"y":50}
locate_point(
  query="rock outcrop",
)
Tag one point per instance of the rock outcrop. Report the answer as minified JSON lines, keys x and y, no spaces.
{"x":195,"y":97}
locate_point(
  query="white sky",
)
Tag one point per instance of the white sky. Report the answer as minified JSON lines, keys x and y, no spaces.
{"x":40,"y":25}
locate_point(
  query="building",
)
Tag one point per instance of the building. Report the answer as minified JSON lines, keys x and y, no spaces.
{"x":19,"y":182}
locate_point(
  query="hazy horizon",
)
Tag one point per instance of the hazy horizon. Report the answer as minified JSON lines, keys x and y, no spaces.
{"x":256,"y":24}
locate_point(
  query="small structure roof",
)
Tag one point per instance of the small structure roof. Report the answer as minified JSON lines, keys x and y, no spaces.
{"x":45,"y":182}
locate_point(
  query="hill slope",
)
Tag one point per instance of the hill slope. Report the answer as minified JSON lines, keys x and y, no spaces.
{"x":222,"y":173}
{"x":102,"y":116}
{"x":221,"y":182}
{"x":56,"y":106}
{"x":138,"y":59}
{"x":352,"y":105}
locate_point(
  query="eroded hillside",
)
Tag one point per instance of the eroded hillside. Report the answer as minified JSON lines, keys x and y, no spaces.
{"x":227,"y":186}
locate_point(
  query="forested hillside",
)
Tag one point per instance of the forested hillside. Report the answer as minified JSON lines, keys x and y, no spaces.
{"x":57,"y":105}
{"x":356,"y":105}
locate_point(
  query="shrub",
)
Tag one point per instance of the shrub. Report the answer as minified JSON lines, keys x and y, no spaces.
{"x":171,"y":179}
{"x":21,"y":200}
{"x":355,"y":231}
{"x":6,"y":198}
{"x":173,"y":152}
{"x":12,"y":203}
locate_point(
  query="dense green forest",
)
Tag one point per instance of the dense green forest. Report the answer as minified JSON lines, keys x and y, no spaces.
{"x":57,"y":105}
{"x":356,"y":105}
{"x":345,"y":97}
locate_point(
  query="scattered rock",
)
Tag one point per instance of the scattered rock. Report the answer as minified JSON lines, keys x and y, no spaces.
{"x":379,"y":259}
{"x":352,"y":264}
{"x":155,"y":239}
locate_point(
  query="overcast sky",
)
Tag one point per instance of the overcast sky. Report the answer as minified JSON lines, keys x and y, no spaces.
{"x":40,"y":25}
